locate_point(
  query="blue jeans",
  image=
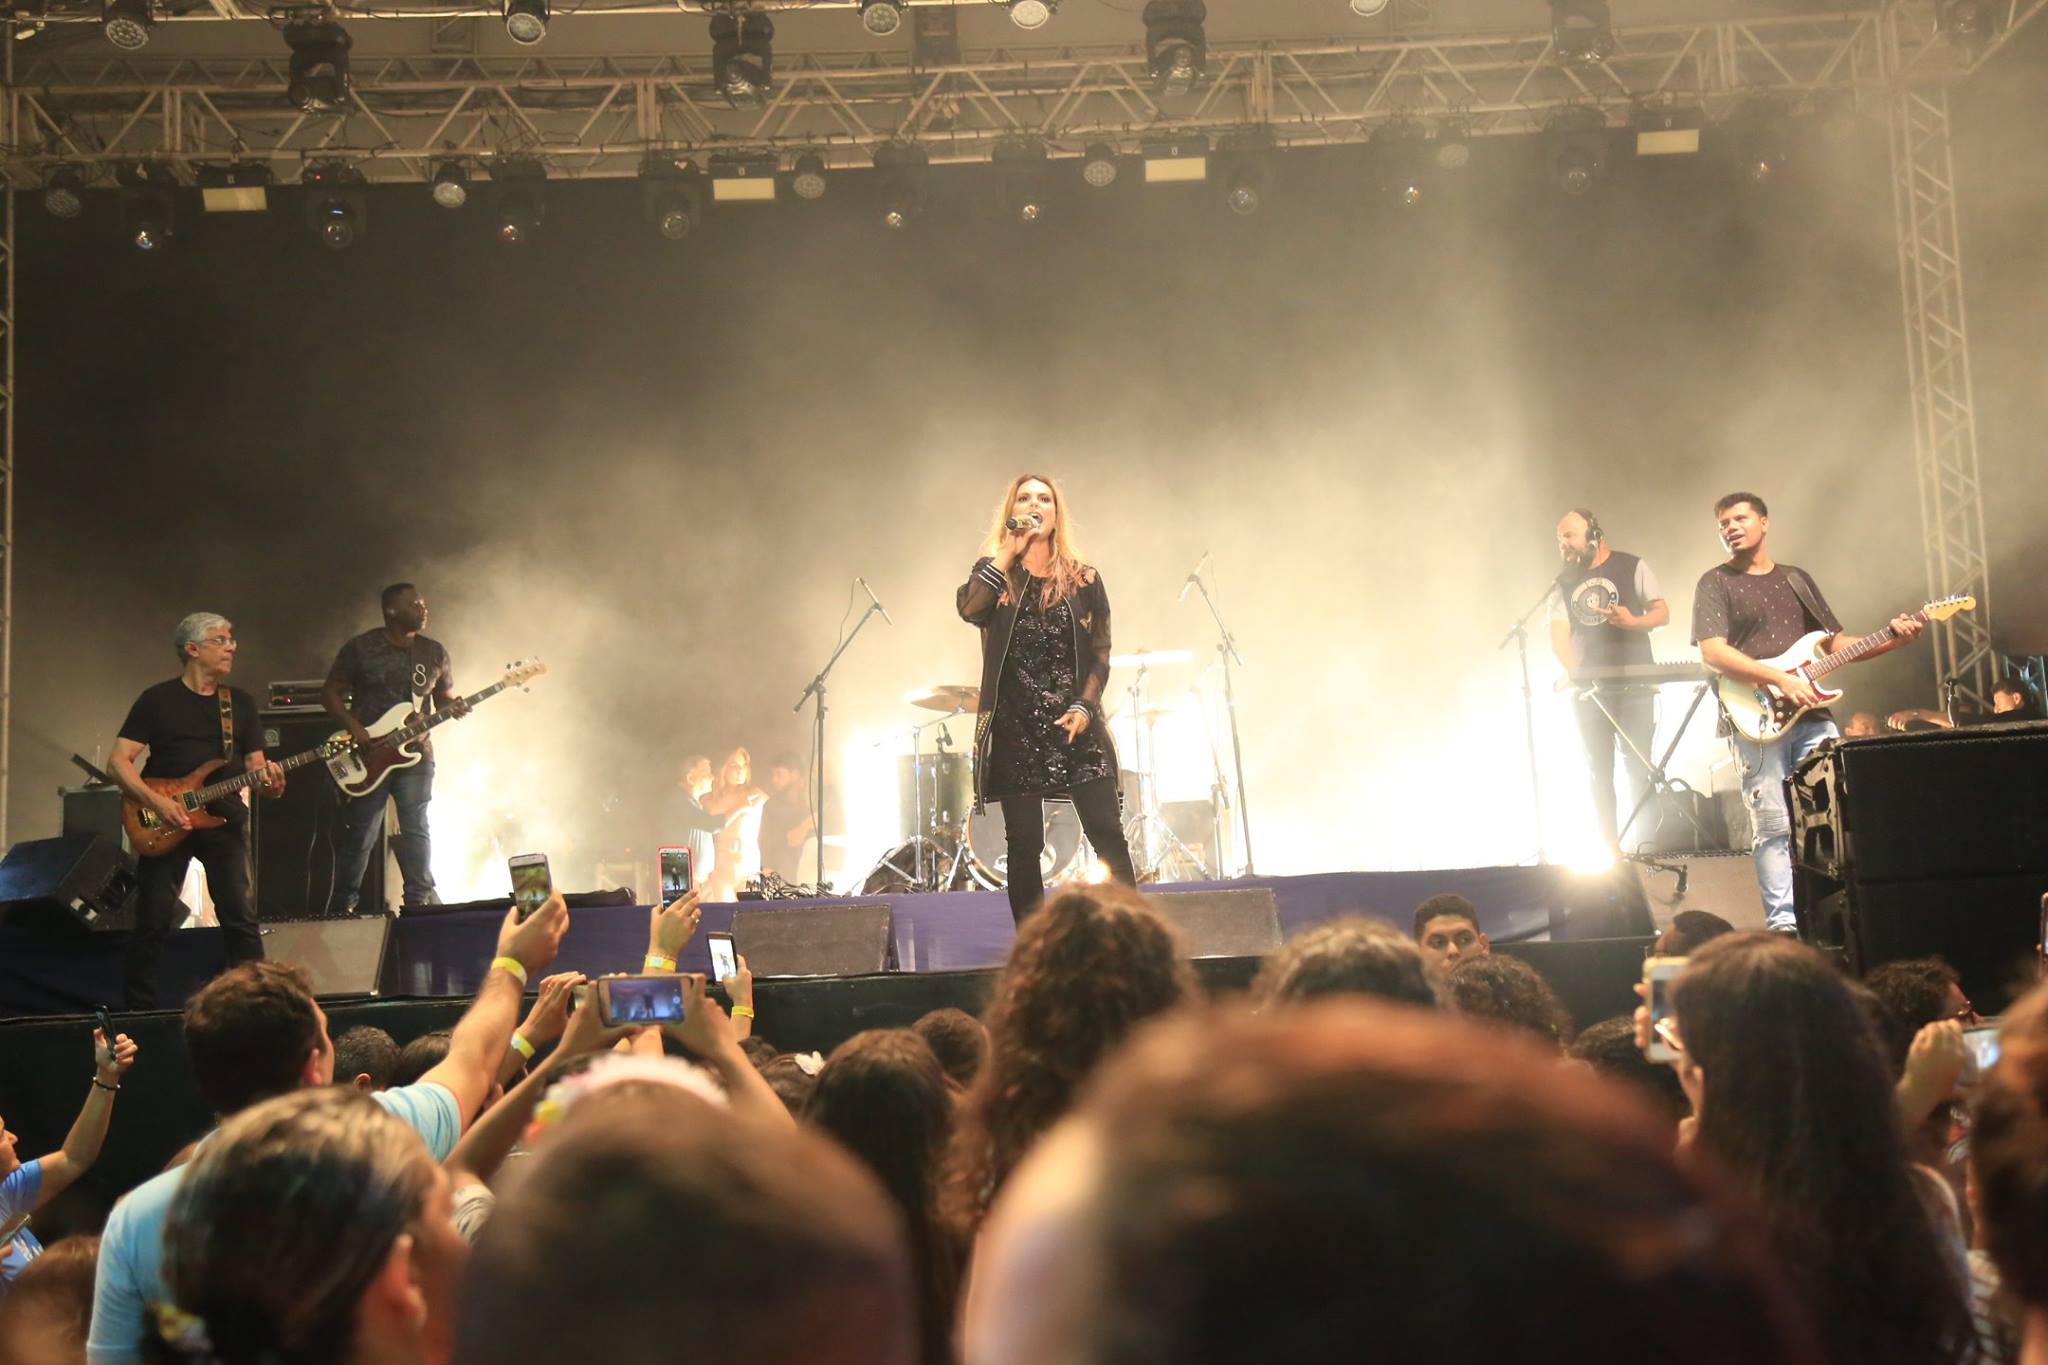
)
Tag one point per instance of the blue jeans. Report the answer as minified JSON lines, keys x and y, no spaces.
{"x":411,"y":789}
{"x":1764,"y":770}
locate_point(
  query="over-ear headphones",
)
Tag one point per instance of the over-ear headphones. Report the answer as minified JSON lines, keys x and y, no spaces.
{"x":1594,"y":535}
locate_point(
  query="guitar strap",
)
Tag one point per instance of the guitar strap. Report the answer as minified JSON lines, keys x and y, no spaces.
{"x":1808,"y":595}
{"x":227,"y":724}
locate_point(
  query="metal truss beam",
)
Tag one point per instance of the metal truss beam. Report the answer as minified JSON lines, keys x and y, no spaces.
{"x":598,"y":116}
{"x":1938,"y":377}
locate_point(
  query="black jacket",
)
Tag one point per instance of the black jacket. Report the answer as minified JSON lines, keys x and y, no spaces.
{"x":994,"y":611}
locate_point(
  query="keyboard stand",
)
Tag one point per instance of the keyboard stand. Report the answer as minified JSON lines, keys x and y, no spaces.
{"x":1661,"y":783}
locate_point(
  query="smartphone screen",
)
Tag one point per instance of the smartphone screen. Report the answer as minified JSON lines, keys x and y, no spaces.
{"x":1982,"y":1043}
{"x":531,"y":884}
{"x":724,"y":962}
{"x":675,"y":872}
{"x":1658,"y":974}
{"x":641,"y":999}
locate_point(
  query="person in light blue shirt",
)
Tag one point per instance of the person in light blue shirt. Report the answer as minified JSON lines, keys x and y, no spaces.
{"x":255,"y":1032}
{"x":26,"y":1186}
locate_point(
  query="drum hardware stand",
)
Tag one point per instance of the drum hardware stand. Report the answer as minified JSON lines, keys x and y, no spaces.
{"x":1518,"y":633}
{"x":1226,"y":649}
{"x":1661,"y":783}
{"x":817,"y":690}
{"x":1147,"y":820}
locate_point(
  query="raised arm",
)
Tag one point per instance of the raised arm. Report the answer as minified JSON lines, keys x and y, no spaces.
{"x":977,"y":598}
{"x":708,"y":1034}
{"x":89,"y":1130}
{"x":476,"y":1047}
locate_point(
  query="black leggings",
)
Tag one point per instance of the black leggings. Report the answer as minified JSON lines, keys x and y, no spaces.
{"x":1024,"y":831}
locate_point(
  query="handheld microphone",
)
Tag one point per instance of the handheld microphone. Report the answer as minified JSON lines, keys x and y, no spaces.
{"x":1193,"y":575}
{"x":1030,"y":523}
{"x":874,"y":599}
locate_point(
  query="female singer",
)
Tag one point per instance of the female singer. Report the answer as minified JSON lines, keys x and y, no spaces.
{"x":736,"y":857}
{"x":1044,"y":621}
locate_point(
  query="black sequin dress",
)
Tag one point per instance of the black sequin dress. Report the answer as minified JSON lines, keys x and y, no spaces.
{"x":1028,"y":752}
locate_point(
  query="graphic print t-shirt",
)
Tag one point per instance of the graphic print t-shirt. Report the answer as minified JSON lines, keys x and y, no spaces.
{"x":1759,"y":614}
{"x":381,"y":674}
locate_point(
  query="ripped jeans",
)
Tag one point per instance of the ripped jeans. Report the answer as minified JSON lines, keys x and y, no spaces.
{"x":1764,"y":770}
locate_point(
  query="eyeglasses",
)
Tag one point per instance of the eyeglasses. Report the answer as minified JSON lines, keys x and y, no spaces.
{"x":219,"y":641}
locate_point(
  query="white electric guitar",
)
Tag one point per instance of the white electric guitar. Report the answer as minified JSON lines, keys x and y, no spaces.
{"x":395,"y":735}
{"x":1763,"y":714}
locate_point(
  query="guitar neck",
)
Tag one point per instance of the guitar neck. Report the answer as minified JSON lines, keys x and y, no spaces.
{"x":426,"y":723}
{"x":214,"y":791}
{"x":1856,"y":649}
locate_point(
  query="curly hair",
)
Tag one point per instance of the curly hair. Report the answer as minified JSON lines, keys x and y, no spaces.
{"x":1912,"y":994}
{"x":1349,"y":956}
{"x":1086,"y":968}
{"x":1507,"y":990}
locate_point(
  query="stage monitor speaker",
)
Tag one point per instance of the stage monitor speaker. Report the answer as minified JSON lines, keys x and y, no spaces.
{"x":296,"y":835}
{"x":85,"y":878}
{"x":1240,"y":922}
{"x":343,"y":956}
{"x":855,"y":938}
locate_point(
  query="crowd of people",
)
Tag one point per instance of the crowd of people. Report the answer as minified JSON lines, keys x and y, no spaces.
{"x":1396,"y":1145}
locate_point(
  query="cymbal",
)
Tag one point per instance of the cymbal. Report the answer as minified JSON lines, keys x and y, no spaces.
{"x":1151,"y":658}
{"x":950,"y":697}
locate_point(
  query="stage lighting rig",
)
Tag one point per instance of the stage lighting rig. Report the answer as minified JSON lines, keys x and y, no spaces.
{"x":126,"y":23}
{"x":526,"y":21}
{"x":1248,"y":172}
{"x":451,"y":184}
{"x":336,"y":211}
{"x":64,"y":192}
{"x":743,"y":57}
{"x":1176,"y":160}
{"x":1176,"y":49}
{"x":906,"y":173}
{"x":1669,"y":130}
{"x":149,"y":216}
{"x":1970,"y":24}
{"x":744,"y":177}
{"x":1452,"y":149}
{"x":1581,"y":31}
{"x":1398,"y":149}
{"x":521,"y":181}
{"x":1030,"y":13}
{"x":1020,"y":178}
{"x":238,"y":187}
{"x":881,"y":17}
{"x":1577,"y":142}
{"x":1756,"y":133}
{"x":1098,"y":165}
{"x":807,"y":176}
{"x":318,"y":83}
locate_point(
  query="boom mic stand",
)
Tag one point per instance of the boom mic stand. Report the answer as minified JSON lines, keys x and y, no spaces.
{"x":1226,"y":649}
{"x":1519,"y":634}
{"x":817,"y":690}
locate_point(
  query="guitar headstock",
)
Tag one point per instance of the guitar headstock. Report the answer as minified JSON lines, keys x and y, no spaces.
{"x":1941,"y":608}
{"x":520,"y":672}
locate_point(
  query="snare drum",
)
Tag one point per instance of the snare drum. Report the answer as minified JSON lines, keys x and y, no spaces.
{"x":989,"y":855}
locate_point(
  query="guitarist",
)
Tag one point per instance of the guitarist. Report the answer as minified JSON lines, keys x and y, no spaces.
{"x":382,"y":668}
{"x":185,"y":723}
{"x":1752,"y":608}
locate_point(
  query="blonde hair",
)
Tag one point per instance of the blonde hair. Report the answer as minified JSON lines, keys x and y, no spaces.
{"x":1066,"y":572}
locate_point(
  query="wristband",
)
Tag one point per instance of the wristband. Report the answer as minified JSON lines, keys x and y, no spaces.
{"x":742,"y":1011}
{"x":512,"y":965}
{"x":522,"y":1047}
{"x":104,"y":1086}
{"x":655,"y":962}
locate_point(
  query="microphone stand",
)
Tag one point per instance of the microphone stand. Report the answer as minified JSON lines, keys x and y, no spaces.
{"x":1519,"y":634}
{"x":1226,"y":649}
{"x":817,"y":690}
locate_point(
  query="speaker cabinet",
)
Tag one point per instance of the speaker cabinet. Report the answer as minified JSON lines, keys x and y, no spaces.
{"x":1241,"y":922}
{"x":343,"y":956}
{"x":296,"y":835}
{"x":853,"y":939}
{"x":85,"y":878}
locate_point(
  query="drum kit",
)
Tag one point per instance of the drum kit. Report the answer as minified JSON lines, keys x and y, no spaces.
{"x":948,"y":845}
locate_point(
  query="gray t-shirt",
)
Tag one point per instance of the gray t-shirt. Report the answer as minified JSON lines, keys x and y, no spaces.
{"x":381,"y":675}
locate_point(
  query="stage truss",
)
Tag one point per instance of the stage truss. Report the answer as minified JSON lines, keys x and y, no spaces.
{"x":84,"y":104}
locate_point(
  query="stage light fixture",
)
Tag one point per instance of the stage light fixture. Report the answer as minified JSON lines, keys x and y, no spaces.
{"x":1969,"y":24}
{"x":1020,"y":178}
{"x":1577,"y":142}
{"x":64,"y":192}
{"x":1757,"y":134}
{"x":1398,"y":152}
{"x":807,"y":177}
{"x":336,"y":212}
{"x":1248,"y":171}
{"x":881,"y":17}
{"x":1367,"y":9}
{"x":238,"y":187}
{"x":743,"y":57}
{"x":672,"y":197}
{"x":1666,"y":131}
{"x":126,"y":23}
{"x":318,"y":82}
{"x":1098,"y":165}
{"x":521,"y":181}
{"x":906,"y":171}
{"x":1030,"y":13}
{"x":1176,"y":160}
{"x":1176,"y":49}
{"x":744,"y":177}
{"x":1581,"y":31}
{"x":148,"y":212}
{"x":451,"y":184}
{"x":1452,"y":149}
{"x":526,"y":21}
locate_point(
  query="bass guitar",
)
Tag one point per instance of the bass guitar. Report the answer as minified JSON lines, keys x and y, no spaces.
{"x":1762,"y":714}
{"x":395,"y":735}
{"x":149,"y":834}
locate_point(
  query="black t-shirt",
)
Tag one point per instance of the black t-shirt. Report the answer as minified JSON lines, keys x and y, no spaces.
{"x":182,"y":730}
{"x":1759,"y":614}
{"x":781,"y":815}
{"x":382,"y":675}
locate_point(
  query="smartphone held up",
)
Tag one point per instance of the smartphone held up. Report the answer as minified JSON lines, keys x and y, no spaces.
{"x":625,"y":1000}
{"x":677,"y":876}
{"x":531,"y":882}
